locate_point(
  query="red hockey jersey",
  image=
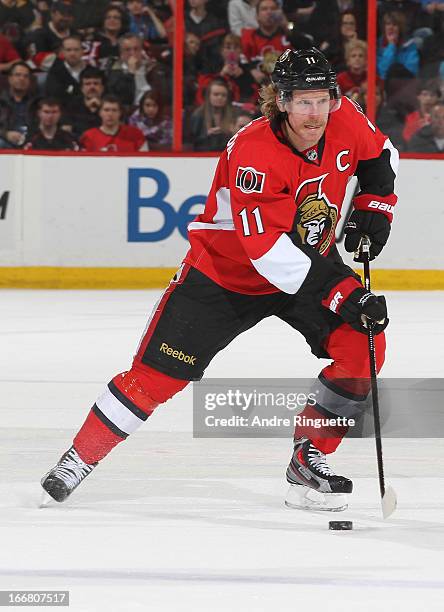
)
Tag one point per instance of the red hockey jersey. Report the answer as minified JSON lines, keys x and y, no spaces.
{"x":256,"y":45}
{"x":127,"y":139}
{"x":270,"y":217}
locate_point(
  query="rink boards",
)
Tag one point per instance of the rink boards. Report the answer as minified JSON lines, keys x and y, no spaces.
{"x":115,"y":221}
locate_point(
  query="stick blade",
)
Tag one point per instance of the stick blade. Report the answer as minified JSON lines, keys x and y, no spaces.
{"x":388,"y":502}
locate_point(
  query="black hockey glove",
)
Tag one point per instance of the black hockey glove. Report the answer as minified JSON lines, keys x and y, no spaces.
{"x":362,"y":305}
{"x":355,"y":305}
{"x":375,"y":225}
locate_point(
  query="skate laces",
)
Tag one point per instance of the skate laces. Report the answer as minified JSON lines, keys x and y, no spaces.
{"x":318,"y":460}
{"x":71,"y":469}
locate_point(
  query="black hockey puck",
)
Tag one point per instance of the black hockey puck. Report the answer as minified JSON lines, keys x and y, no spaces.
{"x":340,"y":525}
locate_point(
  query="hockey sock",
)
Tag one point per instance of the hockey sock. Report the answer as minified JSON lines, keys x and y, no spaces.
{"x":327,"y":437}
{"x":125,"y":405}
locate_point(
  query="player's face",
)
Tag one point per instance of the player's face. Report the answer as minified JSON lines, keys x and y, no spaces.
{"x":308,"y":114}
{"x":110,"y":114}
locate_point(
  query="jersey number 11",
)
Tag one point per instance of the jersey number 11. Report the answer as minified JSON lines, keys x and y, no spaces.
{"x":246,"y":224}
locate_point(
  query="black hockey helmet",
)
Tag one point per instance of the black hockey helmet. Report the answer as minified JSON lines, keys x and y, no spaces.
{"x":304,"y":69}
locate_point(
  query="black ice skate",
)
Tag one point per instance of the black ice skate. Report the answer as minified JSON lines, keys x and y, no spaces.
{"x":313,"y":484}
{"x":66,"y":476}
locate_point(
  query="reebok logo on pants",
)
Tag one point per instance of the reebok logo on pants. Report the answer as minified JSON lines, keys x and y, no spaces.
{"x":168,"y":350}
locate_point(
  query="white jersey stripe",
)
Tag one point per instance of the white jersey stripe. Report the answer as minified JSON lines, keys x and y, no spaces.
{"x":285,"y":266}
{"x":221,"y":225}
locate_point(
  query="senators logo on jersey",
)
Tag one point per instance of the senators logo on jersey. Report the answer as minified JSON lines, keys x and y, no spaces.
{"x":250,"y":180}
{"x":316,"y":217}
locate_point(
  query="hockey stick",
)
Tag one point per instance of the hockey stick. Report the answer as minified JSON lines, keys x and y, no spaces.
{"x":388,"y":495}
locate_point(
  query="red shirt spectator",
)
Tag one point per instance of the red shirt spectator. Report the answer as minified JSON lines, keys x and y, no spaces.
{"x":8,"y":54}
{"x":351,"y":80}
{"x":428,"y":95}
{"x":262,"y":46}
{"x":255,"y":44}
{"x":127,"y":139}
{"x":111,"y":135}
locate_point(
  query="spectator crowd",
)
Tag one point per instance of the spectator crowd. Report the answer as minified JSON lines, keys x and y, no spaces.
{"x":96,"y":75}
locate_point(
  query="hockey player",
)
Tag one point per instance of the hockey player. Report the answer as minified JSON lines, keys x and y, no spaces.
{"x":265,"y":245}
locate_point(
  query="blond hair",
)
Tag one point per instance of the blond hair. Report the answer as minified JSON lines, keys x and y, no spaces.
{"x":268,"y":102}
{"x":355,"y":44}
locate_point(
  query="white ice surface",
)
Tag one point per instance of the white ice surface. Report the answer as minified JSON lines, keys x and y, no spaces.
{"x":172,"y":523}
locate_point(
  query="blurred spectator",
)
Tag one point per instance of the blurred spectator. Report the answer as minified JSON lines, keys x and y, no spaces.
{"x":431,"y":6}
{"x":351,"y":80}
{"x":212,"y":123}
{"x":88,"y":13}
{"x":411,"y":9}
{"x":242,"y":15}
{"x":328,"y":22}
{"x":219,"y":8}
{"x":64,"y":75}
{"x":48,"y":135}
{"x":192,"y":66}
{"x":112,"y":135}
{"x":242,"y":120}
{"x":430,"y":139}
{"x":262,"y":46}
{"x":432,"y":51}
{"x":298,"y":39}
{"x":208,"y":29}
{"x":15,"y":107}
{"x":82,"y":112}
{"x":162,"y":8}
{"x":299,"y":10}
{"x":150,"y":119}
{"x":50,"y":37}
{"x":396,"y":54}
{"x":144,"y":22}
{"x":242,"y":85}
{"x":108,"y":35}
{"x":21,"y":13}
{"x":428,"y":95}
{"x":388,"y":119}
{"x":335,"y":44}
{"x":8,"y":54}
{"x":128,"y":77}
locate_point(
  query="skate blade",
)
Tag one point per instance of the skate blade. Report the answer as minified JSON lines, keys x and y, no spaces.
{"x":46,"y":500}
{"x":300,"y":497}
